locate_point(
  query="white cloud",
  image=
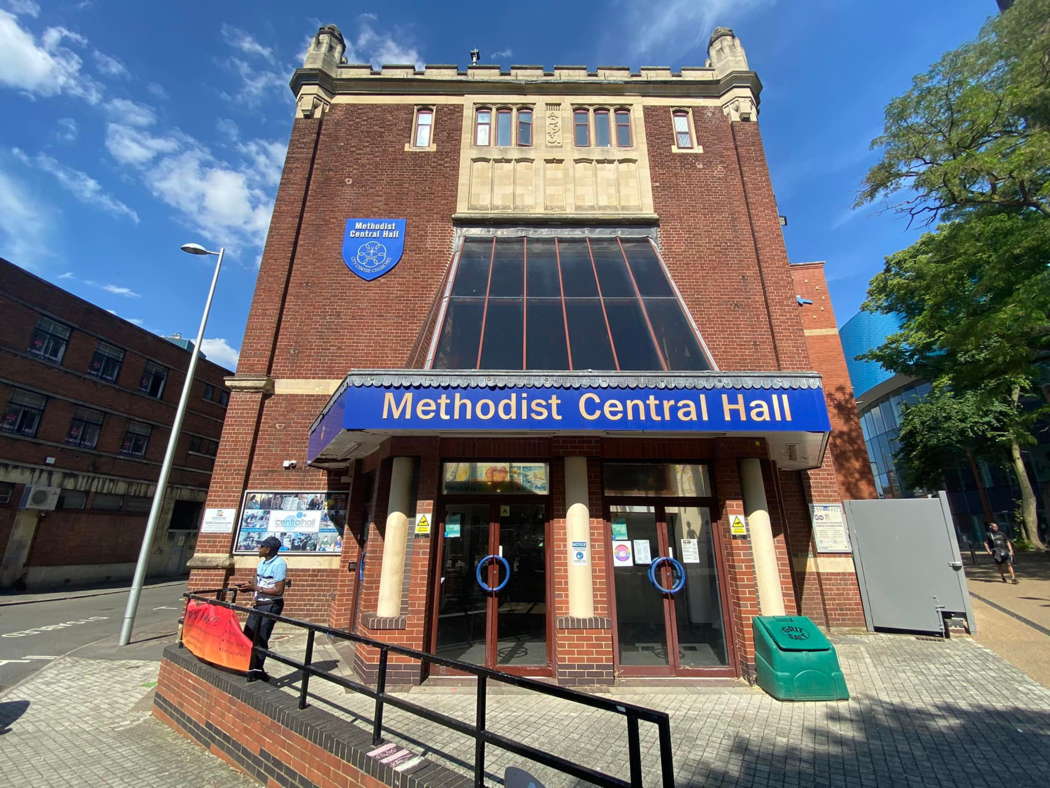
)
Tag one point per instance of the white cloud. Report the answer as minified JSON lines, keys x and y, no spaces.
{"x":66,"y":275}
{"x":674,"y":26}
{"x":503,"y":53}
{"x":369,"y":46}
{"x":157,"y":90}
{"x":66,"y":130}
{"x":266,"y":158}
{"x":245,"y":42}
{"x":25,"y":225}
{"x":138,"y":321}
{"x":220,"y":352}
{"x":44,"y":69}
{"x":228,"y":129}
{"x":256,"y":81}
{"x":136,"y":146}
{"x":121,"y":291}
{"x":108,"y":65}
{"x":26,"y":7}
{"x":79,"y":184}
{"x":131,"y":112}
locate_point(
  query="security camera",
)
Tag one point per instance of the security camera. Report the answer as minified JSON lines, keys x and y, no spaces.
{"x":288,"y":464}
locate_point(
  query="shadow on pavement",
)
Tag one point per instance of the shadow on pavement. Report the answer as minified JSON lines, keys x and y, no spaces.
{"x":9,"y":712}
{"x":885,"y":743}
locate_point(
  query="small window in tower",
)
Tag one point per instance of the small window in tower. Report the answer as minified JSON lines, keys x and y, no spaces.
{"x":424,"y":127}
{"x":524,"y":126}
{"x":683,"y":136}
{"x":623,"y":128}
{"x":602,"y":137}
{"x":504,"y":127}
{"x":581,"y":128}
{"x":483,"y":127}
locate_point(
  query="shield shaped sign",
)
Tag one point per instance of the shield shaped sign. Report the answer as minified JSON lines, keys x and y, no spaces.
{"x":371,"y":247}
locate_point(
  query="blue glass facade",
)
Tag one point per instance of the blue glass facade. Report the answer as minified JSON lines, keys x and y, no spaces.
{"x":860,"y":334}
{"x":880,"y":422}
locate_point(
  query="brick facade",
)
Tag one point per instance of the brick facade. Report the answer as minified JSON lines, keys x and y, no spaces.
{"x":83,"y":540}
{"x":312,"y":321}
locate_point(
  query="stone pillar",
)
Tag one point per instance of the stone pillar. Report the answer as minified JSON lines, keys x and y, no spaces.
{"x":18,"y":545}
{"x":577,"y":528}
{"x":395,"y":539}
{"x":767,"y":573}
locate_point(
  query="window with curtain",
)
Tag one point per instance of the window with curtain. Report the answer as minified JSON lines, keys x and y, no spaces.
{"x":603,"y":303}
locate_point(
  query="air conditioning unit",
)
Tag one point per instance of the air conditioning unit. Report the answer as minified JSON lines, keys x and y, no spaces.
{"x":40,"y":497}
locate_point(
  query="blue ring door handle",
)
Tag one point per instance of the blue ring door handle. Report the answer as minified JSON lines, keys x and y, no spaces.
{"x":676,"y":567}
{"x":477,"y":573}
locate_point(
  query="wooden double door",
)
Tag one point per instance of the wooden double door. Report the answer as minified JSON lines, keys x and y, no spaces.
{"x":491,"y":587}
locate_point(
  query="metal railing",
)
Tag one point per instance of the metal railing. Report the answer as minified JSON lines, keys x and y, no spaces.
{"x":481,"y":735}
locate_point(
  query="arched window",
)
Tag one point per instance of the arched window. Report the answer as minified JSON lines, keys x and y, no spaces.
{"x":581,"y":128}
{"x":483,"y":127}
{"x":424,"y":127}
{"x":504,"y":126}
{"x":623,"y":128}
{"x":525,"y":127}
{"x":602,"y":132}
{"x":683,"y":134}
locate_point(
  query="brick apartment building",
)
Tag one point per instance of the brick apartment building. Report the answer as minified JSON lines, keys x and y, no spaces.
{"x":86,"y":404}
{"x":528,"y":379}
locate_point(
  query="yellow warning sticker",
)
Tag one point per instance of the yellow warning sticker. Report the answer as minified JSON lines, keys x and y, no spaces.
{"x":422,"y":524}
{"x":737,"y":525}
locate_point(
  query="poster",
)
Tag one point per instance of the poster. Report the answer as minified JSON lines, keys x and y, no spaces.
{"x":213,"y":634}
{"x":619,"y":528}
{"x":305,"y":522}
{"x":495,"y":477}
{"x":579,"y":554}
{"x":641,"y":552}
{"x":218,"y":521}
{"x":453,"y":524}
{"x":690,"y":551}
{"x":829,"y":528}
{"x":622,"y":554}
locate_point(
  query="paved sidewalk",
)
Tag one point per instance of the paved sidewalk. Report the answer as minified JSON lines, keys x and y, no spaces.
{"x":1014,"y":620}
{"x":924,"y":712}
{"x":86,"y":721}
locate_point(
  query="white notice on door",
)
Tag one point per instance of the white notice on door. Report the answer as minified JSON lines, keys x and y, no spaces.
{"x":218,"y":521}
{"x":641,"y":552}
{"x":690,"y":552}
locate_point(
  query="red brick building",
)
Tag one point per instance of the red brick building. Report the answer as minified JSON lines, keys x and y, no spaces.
{"x":86,"y":404}
{"x":527,"y":379}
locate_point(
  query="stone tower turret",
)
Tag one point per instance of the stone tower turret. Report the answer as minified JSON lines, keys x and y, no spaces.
{"x":326,"y":50}
{"x":725,"y":53}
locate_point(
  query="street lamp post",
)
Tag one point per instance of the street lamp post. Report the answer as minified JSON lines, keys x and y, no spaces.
{"x":169,"y":454}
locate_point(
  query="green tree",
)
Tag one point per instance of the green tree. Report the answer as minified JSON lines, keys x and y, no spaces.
{"x":973,"y":297}
{"x":942,"y":427}
{"x":970,"y":143}
{"x":974,"y":130}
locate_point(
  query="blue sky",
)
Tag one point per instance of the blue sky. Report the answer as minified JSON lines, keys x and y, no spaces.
{"x":128,"y":128}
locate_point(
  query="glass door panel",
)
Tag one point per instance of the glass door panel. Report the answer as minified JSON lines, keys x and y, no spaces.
{"x":521,"y":617}
{"x":462,"y":611}
{"x":697,"y":607}
{"x":641,"y":625}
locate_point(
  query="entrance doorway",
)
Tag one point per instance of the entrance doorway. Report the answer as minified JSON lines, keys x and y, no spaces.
{"x":491,"y":585}
{"x":670,"y":616}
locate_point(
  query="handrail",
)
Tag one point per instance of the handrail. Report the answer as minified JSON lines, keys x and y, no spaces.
{"x":478,"y":731}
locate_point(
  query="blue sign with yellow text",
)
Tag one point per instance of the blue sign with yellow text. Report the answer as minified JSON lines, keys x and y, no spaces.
{"x":371,"y":247}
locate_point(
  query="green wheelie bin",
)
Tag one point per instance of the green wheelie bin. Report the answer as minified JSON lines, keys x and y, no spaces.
{"x":795,"y":661}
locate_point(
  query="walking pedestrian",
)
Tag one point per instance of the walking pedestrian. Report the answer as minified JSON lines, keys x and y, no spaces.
{"x":1001,"y":549}
{"x":269,"y":586}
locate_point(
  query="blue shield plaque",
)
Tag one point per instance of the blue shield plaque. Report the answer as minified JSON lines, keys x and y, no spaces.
{"x":371,"y":247}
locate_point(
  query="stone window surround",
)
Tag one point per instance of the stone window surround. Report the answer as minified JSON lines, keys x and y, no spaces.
{"x":494,"y":108}
{"x":612,"y":109}
{"x":411,"y":146}
{"x":697,"y":147}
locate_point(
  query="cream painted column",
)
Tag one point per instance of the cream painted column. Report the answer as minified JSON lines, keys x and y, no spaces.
{"x":767,"y":573}
{"x":578,"y":529}
{"x":395,"y":540}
